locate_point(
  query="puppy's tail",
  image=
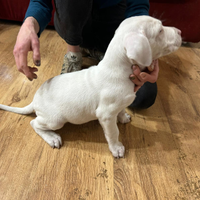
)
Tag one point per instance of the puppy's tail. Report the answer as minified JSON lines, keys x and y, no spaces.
{"x":23,"y":111}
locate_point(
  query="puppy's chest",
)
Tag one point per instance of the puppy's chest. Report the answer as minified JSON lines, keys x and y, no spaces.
{"x":125,"y":93}
{"x":128,"y":99}
{"x":117,"y":95}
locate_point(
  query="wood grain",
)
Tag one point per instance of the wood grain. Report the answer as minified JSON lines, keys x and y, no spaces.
{"x":162,"y":143}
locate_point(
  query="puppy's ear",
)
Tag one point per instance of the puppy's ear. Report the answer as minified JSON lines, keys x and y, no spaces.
{"x":138,"y":48}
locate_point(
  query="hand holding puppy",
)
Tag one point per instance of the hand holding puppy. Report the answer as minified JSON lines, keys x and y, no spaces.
{"x":139,"y":78}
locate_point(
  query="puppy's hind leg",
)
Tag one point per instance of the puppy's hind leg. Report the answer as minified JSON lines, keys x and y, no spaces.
{"x":112,"y":133}
{"x":43,"y":130}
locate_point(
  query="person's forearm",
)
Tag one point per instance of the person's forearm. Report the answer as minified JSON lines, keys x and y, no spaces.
{"x":40,"y":10}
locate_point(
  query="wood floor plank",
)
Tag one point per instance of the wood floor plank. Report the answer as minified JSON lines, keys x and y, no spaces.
{"x":162,"y":143}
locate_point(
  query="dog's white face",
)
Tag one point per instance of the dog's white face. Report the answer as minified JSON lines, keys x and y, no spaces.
{"x":146,"y":39}
{"x":163,"y":40}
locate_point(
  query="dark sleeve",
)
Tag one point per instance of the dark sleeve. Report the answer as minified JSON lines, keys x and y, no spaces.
{"x":137,"y":8}
{"x":41,"y":10}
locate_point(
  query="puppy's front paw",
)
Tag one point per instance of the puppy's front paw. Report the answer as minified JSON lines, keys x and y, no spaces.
{"x":124,"y":118}
{"x":118,"y":150}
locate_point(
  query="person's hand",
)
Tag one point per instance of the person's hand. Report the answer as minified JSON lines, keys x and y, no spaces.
{"x":27,"y":40}
{"x":150,"y":75}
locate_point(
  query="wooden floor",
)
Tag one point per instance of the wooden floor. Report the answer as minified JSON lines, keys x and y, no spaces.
{"x":162,"y":143}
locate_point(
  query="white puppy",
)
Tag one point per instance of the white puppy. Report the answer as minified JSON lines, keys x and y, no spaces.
{"x":104,"y":91}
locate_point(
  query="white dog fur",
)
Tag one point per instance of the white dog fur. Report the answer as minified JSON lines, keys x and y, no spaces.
{"x":104,"y":91}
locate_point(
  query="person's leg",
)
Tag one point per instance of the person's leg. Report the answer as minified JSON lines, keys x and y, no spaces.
{"x":101,"y":26}
{"x":69,"y":20}
{"x":145,"y":96}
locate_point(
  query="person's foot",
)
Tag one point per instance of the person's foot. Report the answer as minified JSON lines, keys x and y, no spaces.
{"x":93,"y":53}
{"x":72,"y":62}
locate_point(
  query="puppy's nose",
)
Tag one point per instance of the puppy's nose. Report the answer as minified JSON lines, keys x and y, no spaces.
{"x":179,"y":32}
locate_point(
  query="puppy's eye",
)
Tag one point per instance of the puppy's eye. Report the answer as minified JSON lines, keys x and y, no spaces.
{"x":161,"y":30}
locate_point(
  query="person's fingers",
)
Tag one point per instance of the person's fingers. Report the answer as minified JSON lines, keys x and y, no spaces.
{"x":139,"y":78}
{"x":135,"y":80}
{"x":152,"y":77}
{"x":33,"y":70}
{"x":148,"y":77}
{"x":23,"y":66}
{"x":135,"y":77}
{"x":36,"y":51}
{"x":136,"y":70}
{"x":17,"y":63}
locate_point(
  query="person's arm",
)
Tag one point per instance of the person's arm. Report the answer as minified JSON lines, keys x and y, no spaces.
{"x":41,"y":10}
{"x":37,"y":17}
